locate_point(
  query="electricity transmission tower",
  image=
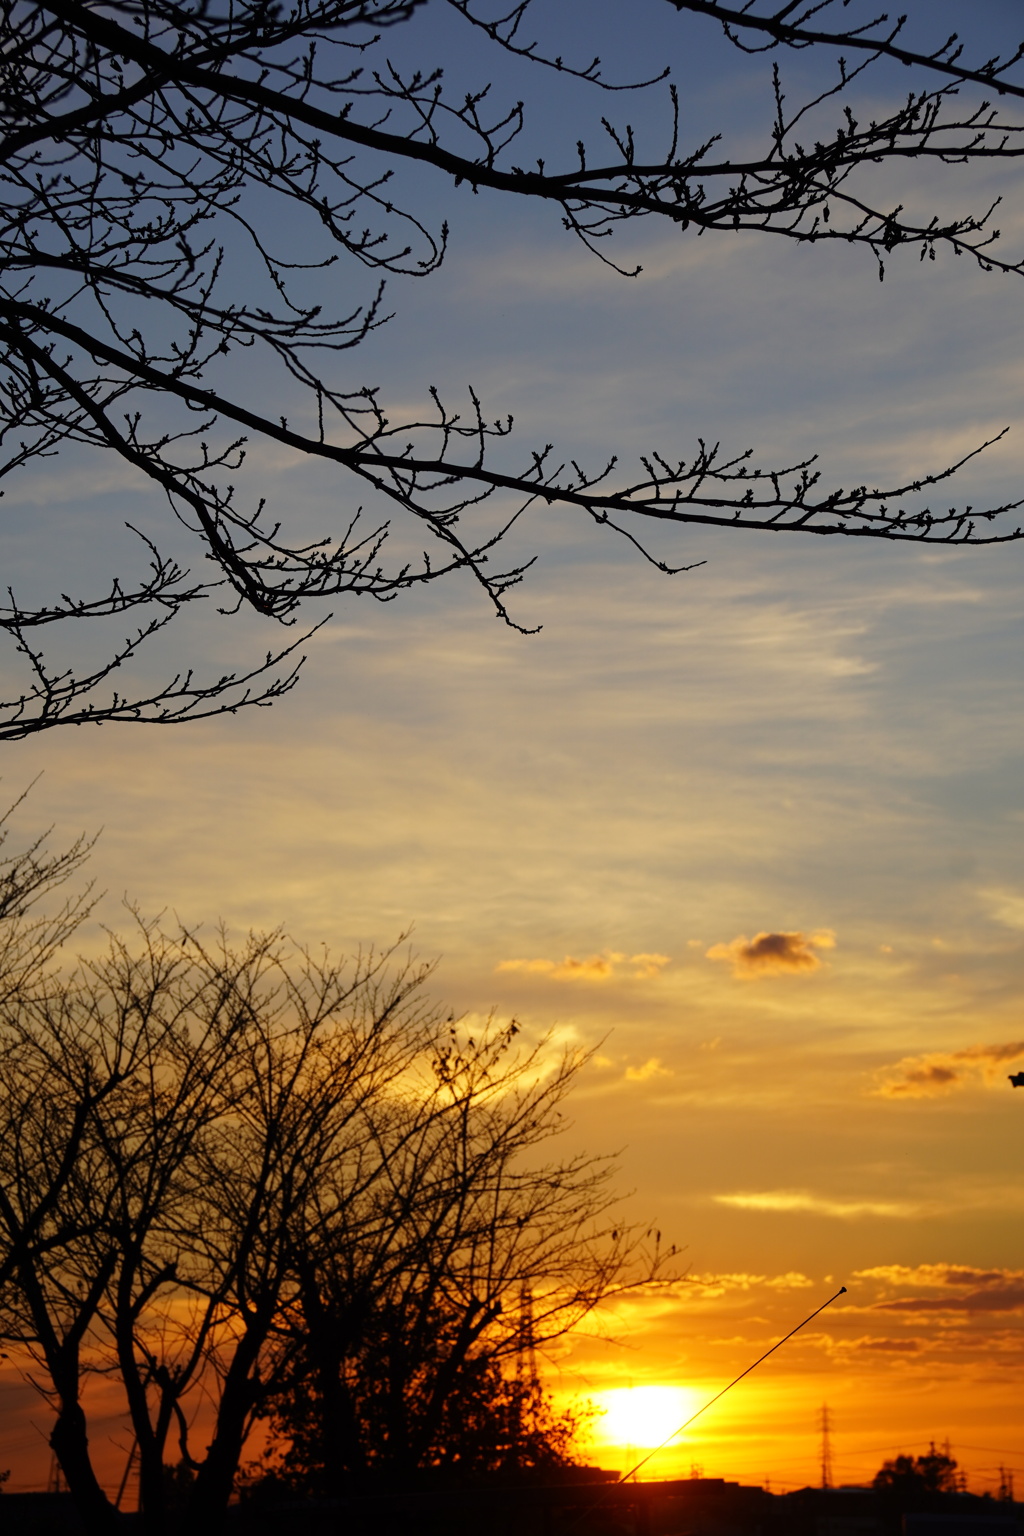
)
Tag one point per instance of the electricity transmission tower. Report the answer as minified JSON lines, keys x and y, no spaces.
{"x":526,"y":1353}
{"x":825,"y":1424}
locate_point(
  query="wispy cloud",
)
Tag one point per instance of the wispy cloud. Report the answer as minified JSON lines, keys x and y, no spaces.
{"x":885,"y":1346}
{"x":653,"y":1067}
{"x":618,"y":1070}
{"x":815,"y":1205}
{"x":595,"y":968}
{"x":936,"y":1276}
{"x":1002,"y":1299}
{"x":774,"y":954}
{"x":938,"y":1072}
{"x":711,"y":1285}
{"x":649,"y":964}
{"x":1005,"y":906}
{"x":961,"y":1288}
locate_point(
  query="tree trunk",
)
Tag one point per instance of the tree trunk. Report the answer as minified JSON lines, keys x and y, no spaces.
{"x":70,"y":1444}
{"x":215,"y":1479}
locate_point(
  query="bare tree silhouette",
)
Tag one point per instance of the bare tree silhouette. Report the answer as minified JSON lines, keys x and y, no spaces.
{"x":406,"y":1332}
{"x":211,"y":1158}
{"x":153,"y":153}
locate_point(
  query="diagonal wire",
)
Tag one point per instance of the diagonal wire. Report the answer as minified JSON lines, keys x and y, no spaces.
{"x":712,"y":1400}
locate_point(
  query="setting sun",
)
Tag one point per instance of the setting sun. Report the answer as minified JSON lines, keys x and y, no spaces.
{"x":643,"y":1416}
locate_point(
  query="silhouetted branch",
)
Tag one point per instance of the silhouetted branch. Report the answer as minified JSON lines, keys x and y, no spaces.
{"x":149,"y":151}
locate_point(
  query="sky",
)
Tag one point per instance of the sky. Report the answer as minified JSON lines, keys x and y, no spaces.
{"x":752,"y":834}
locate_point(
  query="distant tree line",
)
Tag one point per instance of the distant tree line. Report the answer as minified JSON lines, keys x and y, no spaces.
{"x":249,"y":1183}
{"x":909,"y":1478}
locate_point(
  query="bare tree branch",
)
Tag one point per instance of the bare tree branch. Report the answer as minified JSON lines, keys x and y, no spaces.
{"x":151,"y":151}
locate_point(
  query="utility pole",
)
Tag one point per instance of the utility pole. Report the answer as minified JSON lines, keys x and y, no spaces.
{"x":825,"y":1424}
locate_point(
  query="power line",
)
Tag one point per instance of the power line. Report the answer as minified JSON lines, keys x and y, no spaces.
{"x":712,"y":1400}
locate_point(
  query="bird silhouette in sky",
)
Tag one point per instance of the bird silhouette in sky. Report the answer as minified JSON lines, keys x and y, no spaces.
{"x":1017,"y":1079}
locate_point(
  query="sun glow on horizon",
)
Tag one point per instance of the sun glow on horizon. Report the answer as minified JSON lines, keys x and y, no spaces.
{"x":643,"y":1417}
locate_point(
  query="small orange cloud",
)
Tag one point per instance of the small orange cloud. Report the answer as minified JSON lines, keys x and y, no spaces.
{"x":773,"y":954}
{"x":595,"y":968}
{"x":938,"y":1072}
{"x":648,"y":965}
{"x":654,"y":1067}
{"x":922,"y":1082}
{"x":888,"y":1346}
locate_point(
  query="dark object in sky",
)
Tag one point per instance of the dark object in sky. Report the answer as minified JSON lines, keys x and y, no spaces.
{"x":179,"y":178}
{"x":1017,"y":1079}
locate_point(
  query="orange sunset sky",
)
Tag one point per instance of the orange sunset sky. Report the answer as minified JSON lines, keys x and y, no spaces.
{"x":753,"y":833}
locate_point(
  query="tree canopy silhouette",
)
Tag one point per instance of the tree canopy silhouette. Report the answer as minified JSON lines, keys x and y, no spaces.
{"x":408,"y":1406}
{"x":155,"y":154}
{"x":226,"y":1167}
{"x":911,"y":1478}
